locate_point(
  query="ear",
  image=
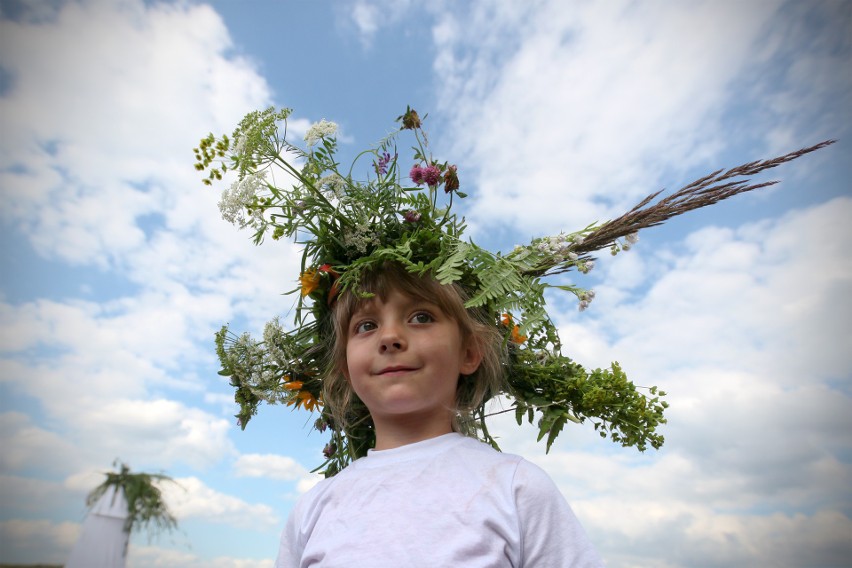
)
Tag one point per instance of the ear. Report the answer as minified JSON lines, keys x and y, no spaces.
{"x":471,"y":357}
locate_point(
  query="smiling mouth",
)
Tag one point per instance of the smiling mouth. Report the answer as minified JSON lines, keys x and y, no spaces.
{"x":395,"y":370}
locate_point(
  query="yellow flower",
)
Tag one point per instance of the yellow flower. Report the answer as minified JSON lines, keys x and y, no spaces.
{"x":303,"y":398}
{"x":310,"y":280}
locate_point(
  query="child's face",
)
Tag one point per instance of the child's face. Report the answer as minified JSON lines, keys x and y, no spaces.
{"x":404,"y":357}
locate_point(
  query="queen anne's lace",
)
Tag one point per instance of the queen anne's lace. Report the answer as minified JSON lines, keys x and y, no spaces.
{"x":318,"y":130}
{"x":238,"y":203}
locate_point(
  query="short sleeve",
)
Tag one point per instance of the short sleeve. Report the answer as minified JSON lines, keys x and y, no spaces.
{"x":551,"y":534}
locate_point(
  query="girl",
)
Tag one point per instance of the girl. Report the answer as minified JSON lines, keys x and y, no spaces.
{"x":410,"y":365}
{"x":417,"y":362}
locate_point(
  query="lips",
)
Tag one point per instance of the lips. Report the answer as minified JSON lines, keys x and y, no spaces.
{"x":395,"y":369}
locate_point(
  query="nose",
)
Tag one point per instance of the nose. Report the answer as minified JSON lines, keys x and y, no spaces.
{"x":392,"y":339}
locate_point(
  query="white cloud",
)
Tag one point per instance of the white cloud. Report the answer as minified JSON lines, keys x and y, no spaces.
{"x":34,"y":498}
{"x":747,"y":329}
{"x":107,"y":99}
{"x":27,"y":446}
{"x":268,"y":465}
{"x":371,"y":16}
{"x":576,"y":114}
{"x":191,"y":497}
{"x":99,"y":172}
{"x":22,"y":540}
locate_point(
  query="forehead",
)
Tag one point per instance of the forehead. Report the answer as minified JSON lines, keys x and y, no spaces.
{"x":394,"y":296}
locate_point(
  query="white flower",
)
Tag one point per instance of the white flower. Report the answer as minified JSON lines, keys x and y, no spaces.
{"x":236,"y":202}
{"x":360,"y":238}
{"x":240,"y":145}
{"x":573,"y":256}
{"x":332,"y":185}
{"x":632,"y":238}
{"x":273,"y":338}
{"x":321,"y":129}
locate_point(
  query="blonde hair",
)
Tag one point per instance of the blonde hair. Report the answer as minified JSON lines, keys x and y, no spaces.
{"x":478,"y":330}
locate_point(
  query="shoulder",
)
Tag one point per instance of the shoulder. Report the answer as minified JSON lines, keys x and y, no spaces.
{"x":477,"y":451}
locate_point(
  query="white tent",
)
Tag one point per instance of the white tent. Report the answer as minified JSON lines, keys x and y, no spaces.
{"x":103,"y":543}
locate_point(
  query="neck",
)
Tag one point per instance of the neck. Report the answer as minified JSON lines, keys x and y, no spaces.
{"x":395,"y":431}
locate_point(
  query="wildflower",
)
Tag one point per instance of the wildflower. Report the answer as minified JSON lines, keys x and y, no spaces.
{"x":319,"y":130}
{"x":632,"y":238}
{"x":516,"y":329}
{"x":303,"y":398}
{"x":431,"y":175}
{"x":412,"y":216}
{"x":276,"y":344}
{"x":309,"y":280}
{"x":416,"y":174}
{"x":329,"y":450}
{"x":360,"y":238}
{"x":583,"y":305}
{"x":321,"y":424}
{"x":410,"y":120}
{"x":451,"y":179}
{"x":382,"y":165}
{"x":332,"y":185}
{"x":238,"y":203}
{"x":240,"y":145}
{"x":573,"y":256}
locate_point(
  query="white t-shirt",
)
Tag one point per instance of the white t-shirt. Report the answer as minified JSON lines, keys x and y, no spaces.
{"x":446,"y":501}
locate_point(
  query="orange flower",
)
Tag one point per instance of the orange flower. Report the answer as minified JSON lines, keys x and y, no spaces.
{"x":310,"y":280}
{"x":516,"y":329}
{"x":303,"y":398}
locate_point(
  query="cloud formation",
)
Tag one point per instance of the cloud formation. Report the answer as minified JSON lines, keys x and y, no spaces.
{"x":558,"y":117}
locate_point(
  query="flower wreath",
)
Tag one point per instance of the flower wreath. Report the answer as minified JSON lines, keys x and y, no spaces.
{"x":349,"y":226}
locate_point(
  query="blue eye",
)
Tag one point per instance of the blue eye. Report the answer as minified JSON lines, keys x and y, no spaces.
{"x":422,"y":317}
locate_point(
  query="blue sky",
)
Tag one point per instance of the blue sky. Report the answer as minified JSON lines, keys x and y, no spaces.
{"x":117,"y":268}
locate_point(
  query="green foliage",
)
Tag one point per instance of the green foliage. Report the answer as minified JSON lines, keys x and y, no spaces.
{"x":350,"y":226}
{"x":145,"y":506}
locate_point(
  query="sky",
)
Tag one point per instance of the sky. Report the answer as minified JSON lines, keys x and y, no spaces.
{"x":117,"y":268}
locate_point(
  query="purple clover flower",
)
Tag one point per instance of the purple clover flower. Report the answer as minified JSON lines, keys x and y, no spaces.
{"x":411,"y":216}
{"x":431,"y":175}
{"x":416,"y":175}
